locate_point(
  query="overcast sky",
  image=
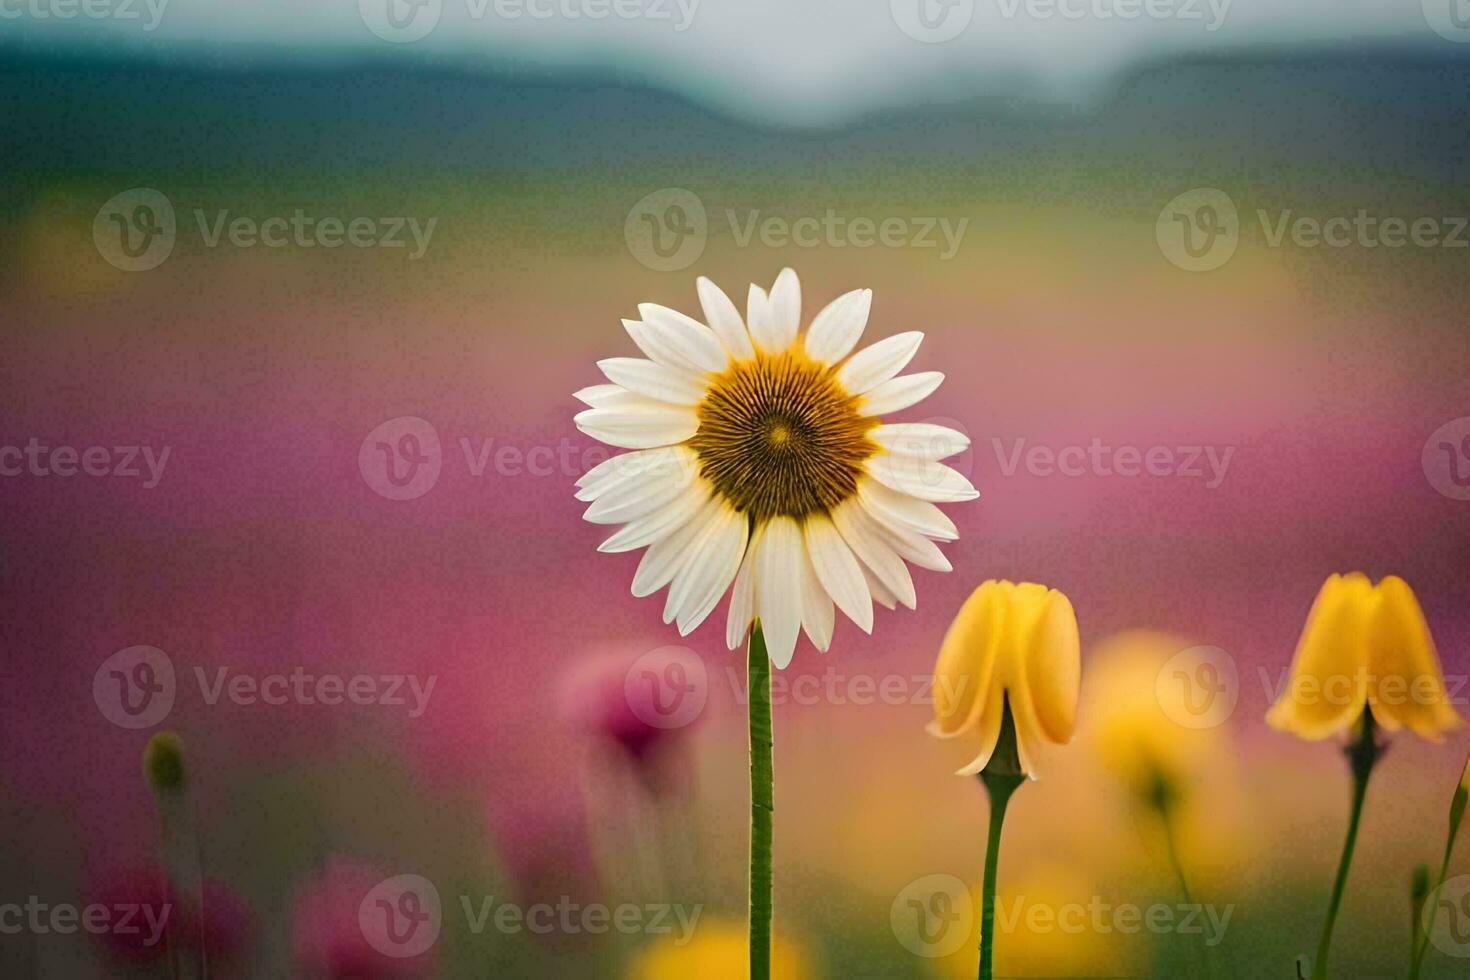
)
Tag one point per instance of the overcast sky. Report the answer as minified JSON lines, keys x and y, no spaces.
{"x":793,"y":60}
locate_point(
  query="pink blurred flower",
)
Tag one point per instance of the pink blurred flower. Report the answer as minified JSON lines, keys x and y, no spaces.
{"x":147,"y":890}
{"x":329,"y":938}
{"x":227,"y":927}
{"x":604,"y":695}
{"x":228,"y":924}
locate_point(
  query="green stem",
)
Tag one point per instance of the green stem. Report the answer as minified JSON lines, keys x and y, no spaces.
{"x":1166,"y":814}
{"x":1362,"y":754}
{"x":1421,"y":939}
{"x":1001,"y":777}
{"x":762,"y":803}
{"x":1000,"y":787}
{"x":1165,"y":804}
{"x":1458,"y":804}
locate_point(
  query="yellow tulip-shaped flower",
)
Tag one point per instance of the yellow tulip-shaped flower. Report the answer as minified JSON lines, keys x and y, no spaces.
{"x":1365,"y":660}
{"x":1007,"y":678}
{"x":1013,"y":645}
{"x":1364,"y":645}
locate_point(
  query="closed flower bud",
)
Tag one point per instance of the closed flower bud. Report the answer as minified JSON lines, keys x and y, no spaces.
{"x":1013,"y":645}
{"x":163,"y":764}
{"x":1364,"y":644}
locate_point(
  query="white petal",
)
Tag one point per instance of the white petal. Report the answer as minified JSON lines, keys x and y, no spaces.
{"x":638,"y":496}
{"x":660,"y":523}
{"x":600,"y":396}
{"x":881,"y":595}
{"x":721,"y":562}
{"x":836,"y":330}
{"x":817,"y":617}
{"x":925,"y":480}
{"x":653,"y":379}
{"x":838,"y":571}
{"x":696,"y":558}
{"x":878,"y":362}
{"x":915,"y":548}
{"x":742,"y":595}
{"x":616,"y":467}
{"x":891,"y":507}
{"x":868,"y":543}
{"x":666,"y":460}
{"x":778,"y":570}
{"x":683,"y":338}
{"x":900,"y":393}
{"x":724,"y":319}
{"x":758,"y":319}
{"x":638,"y":428}
{"x":785,"y":310}
{"x":666,"y":556}
{"x":921,"y":440}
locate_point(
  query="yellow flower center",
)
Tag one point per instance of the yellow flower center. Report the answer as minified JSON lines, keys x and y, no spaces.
{"x":780,"y":436}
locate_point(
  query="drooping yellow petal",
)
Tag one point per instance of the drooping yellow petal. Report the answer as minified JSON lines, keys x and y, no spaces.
{"x":1406,"y":685}
{"x":1025,"y":608}
{"x":1054,"y":668}
{"x":1010,"y":643}
{"x":962,"y":674}
{"x":1327,"y":687}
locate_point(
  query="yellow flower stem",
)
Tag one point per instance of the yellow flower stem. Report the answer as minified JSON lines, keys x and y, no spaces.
{"x":1362,"y":753}
{"x":1001,"y":777}
{"x":762,"y":802}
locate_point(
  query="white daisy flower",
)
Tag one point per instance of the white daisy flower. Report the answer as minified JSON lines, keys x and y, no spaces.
{"x":762,"y":466}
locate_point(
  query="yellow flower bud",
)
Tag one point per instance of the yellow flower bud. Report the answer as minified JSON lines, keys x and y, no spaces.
{"x":715,"y":950}
{"x":1013,"y":644}
{"x":1364,"y":644}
